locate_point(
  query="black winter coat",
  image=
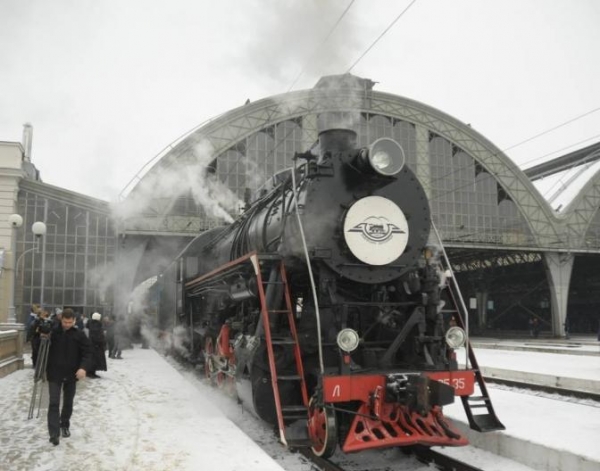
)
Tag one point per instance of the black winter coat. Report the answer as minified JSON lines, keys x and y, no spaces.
{"x":98,"y":342}
{"x":69,"y":350}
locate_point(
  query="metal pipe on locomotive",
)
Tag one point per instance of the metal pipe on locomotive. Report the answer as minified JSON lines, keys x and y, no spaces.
{"x":321,"y":306}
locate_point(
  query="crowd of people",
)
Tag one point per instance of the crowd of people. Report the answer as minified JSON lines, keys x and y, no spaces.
{"x":104,"y":333}
{"x":76,"y":348}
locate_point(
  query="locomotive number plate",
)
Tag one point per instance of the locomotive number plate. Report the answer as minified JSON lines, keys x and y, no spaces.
{"x":463,"y":382}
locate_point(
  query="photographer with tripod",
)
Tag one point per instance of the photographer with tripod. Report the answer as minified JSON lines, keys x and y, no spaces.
{"x":69,"y":357}
{"x":41,"y":325}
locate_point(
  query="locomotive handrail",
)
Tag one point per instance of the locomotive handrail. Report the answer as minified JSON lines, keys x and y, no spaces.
{"x":310,"y":272}
{"x":458,"y":294}
{"x":222,"y":268}
{"x":376,"y":303}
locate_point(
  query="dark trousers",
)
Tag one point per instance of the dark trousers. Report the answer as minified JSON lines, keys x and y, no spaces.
{"x":110,"y":342}
{"x":115,"y":352}
{"x":56,"y":417}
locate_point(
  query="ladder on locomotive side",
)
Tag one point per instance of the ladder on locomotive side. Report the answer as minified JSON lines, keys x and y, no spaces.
{"x":278,"y":277}
{"x":488,"y":420}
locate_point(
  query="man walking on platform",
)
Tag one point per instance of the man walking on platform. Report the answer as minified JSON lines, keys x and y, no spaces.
{"x":69,"y":358}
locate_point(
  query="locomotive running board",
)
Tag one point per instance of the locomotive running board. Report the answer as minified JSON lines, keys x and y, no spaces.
{"x":487,"y":421}
{"x":289,"y":436}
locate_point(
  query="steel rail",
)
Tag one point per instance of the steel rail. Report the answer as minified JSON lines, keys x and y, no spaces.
{"x":441,"y":461}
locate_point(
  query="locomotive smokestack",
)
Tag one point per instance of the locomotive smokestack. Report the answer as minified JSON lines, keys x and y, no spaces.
{"x":337,"y":140}
{"x":337,"y":131}
{"x":27,"y":140}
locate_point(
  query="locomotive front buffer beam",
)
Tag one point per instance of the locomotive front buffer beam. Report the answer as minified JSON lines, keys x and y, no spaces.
{"x":399,"y":409}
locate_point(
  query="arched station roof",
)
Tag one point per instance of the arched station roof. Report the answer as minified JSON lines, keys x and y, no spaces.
{"x":581,"y":216}
{"x":456,"y":164}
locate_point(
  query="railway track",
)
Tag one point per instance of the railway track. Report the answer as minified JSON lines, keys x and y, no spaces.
{"x":441,"y":461}
{"x":423,"y":454}
{"x":322,"y":464}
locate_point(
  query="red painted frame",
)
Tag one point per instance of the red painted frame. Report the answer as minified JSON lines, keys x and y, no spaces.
{"x":378,"y":424}
{"x":360,"y":387}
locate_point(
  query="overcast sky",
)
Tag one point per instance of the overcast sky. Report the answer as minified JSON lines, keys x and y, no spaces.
{"x":107,"y":84}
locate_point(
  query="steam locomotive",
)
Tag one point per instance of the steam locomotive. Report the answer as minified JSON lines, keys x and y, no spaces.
{"x":326,"y":308}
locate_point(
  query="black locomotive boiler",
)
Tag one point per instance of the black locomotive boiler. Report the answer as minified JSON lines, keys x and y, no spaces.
{"x":322,"y":306}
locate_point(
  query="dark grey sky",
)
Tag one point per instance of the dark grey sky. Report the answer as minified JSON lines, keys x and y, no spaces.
{"x":108,"y":84}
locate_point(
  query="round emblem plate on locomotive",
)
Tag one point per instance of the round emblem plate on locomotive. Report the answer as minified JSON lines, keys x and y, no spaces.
{"x":376,"y":230}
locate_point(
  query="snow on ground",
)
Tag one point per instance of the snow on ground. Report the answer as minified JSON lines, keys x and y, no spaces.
{"x":542,"y":420}
{"x":555,"y":423}
{"x":149,"y":413}
{"x":141,"y":415}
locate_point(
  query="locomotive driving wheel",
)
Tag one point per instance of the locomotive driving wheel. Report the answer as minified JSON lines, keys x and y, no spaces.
{"x":209,"y":361}
{"x":226,"y":381}
{"x":322,"y":429}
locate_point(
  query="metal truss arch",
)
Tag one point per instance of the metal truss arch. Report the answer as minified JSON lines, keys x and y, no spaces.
{"x":235,"y":126}
{"x":579,"y":216}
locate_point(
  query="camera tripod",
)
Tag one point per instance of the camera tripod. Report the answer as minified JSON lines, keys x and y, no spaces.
{"x":39,"y":375}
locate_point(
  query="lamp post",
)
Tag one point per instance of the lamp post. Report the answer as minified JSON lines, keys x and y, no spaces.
{"x":39,"y":229}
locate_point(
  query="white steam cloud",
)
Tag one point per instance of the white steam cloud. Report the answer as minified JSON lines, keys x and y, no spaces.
{"x":157,"y":191}
{"x":101,"y":278}
{"x":292,"y":39}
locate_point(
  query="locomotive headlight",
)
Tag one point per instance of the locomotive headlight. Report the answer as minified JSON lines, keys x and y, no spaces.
{"x":381,"y":160}
{"x":347,"y":340}
{"x":456,"y":337}
{"x":386,"y":156}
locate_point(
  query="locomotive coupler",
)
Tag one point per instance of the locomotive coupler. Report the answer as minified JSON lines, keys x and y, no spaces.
{"x":376,"y":399}
{"x":418,"y":392}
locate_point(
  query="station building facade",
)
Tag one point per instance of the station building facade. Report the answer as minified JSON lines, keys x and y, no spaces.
{"x":72,"y":264}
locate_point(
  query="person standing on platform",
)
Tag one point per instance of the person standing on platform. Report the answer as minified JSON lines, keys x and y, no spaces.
{"x":69,"y":358}
{"x":79,"y":320}
{"x":534,"y":327}
{"x":56,"y":318}
{"x":109,"y":330}
{"x":98,"y":341}
{"x":84,"y":321}
{"x":33,"y":315}
{"x":117,"y":329}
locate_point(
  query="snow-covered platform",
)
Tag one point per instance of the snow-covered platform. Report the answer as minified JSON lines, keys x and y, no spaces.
{"x":558,"y":370}
{"x":585,"y":345}
{"x":141,"y":415}
{"x":543,"y":432}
